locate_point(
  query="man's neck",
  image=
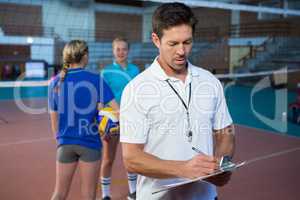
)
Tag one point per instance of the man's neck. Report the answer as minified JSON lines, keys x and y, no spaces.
{"x":179,"y":74}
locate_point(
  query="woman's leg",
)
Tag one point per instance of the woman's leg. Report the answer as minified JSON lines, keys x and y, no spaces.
{"x":64,"y":175}
{"x":109,"y":153}
{"x":66,"y":164}
{"x":89,"y":173}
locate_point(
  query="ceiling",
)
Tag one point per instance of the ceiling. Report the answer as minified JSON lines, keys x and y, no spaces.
{"x":268,"y":6}
{"x":141,"y":3}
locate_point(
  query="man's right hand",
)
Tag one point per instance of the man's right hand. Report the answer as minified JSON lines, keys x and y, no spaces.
{"x":200,"y":165}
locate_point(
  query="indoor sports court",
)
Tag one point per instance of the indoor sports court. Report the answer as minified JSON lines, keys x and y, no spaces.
{"x":252,"y":47}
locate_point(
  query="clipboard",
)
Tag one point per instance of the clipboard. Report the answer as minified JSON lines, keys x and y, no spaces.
{"x":187,"y":181}
{"x":231,"y":167}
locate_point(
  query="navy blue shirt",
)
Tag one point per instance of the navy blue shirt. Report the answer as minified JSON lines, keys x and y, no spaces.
{"x":75,"y":100}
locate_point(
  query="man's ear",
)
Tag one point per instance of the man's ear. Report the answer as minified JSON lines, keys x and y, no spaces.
{"x":155,"y":40}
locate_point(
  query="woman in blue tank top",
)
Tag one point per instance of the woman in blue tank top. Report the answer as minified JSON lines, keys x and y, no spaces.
{"x":75,"y":95}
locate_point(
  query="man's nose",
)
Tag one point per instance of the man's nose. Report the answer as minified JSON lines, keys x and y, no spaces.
{"x":180,"y":51}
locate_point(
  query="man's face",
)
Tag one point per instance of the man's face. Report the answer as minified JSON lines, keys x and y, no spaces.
{"x":174,"y":47}
{"x":120,"y":51}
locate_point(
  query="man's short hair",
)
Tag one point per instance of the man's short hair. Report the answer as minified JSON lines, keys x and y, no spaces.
{"x":172,"y":14}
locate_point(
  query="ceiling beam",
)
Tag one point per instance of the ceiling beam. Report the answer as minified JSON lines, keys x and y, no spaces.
{"x":231,"y":6}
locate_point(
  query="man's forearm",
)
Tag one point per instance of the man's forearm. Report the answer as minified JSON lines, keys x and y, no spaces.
{"x":224,"y":141}
{"x":151,"y":166}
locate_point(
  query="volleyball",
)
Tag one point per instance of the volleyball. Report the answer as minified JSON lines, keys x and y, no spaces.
{"x":108,"y":123}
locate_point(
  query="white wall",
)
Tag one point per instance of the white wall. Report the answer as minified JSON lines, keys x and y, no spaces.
{"x":235,"y":19}
{"x":147,"y":23}
{"x":64,"y":17}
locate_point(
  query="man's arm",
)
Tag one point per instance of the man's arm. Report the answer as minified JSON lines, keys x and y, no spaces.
{"x":224,"y":141}
{"x":138,"y":161}
{"x":224,"y":144}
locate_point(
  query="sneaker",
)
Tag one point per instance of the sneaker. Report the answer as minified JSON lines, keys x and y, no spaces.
{"x":131,"y":196}
{"x":106,"y":198}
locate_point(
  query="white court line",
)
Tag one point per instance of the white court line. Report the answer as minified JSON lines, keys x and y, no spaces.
{"x":24,"y":83}
{"x":27,"y":141}
{"x":263,"y":73}
{"x":42,"y":83}
{"x":3,"y":120}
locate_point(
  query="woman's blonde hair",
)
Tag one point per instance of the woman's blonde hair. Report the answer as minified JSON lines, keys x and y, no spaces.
{"x":120,"y":39}
{"x":73,"y":53}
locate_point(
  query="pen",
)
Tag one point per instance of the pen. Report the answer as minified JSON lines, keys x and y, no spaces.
{"x":197,"y":150}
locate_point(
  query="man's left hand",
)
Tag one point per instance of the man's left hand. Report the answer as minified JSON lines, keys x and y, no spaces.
{"x":221,"y":179}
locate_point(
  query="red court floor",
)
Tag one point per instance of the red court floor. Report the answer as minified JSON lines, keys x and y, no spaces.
{"x":27,"y":162}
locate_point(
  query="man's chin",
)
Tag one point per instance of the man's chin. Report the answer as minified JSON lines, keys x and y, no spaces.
{"x":180,"y":65}
{"x":179,"y":68}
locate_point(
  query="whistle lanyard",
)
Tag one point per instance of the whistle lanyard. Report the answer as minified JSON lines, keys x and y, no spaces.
{"x":186,"y":106}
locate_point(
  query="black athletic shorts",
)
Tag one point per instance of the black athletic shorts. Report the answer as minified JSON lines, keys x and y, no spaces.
{"x":73,"y":153}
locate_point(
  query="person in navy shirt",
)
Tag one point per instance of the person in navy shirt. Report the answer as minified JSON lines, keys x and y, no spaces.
{"x":75,"y":95}
{"x":117,"y":75}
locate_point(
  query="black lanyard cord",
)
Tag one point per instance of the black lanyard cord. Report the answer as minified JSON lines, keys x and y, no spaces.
{"x":190,"y":93}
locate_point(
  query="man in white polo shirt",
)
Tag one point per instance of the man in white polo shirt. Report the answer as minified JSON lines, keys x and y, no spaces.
{"x":171,"y":108}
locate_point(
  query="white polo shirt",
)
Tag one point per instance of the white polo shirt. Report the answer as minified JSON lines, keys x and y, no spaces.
{"x":153,"y":115}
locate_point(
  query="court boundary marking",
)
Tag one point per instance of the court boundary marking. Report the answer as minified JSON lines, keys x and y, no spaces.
{"x":3,"y":120}
{"x":42,"y":83}
{"x":27,"y":141}
{"x":6,"y":84}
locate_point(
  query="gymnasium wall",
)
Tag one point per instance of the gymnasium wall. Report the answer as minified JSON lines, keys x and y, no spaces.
{"x":21,"y":19}
{"x":110,"y":25}
{"x":278,"y":26}
{"x":215,"y":21}
{"x":213,"y":25}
